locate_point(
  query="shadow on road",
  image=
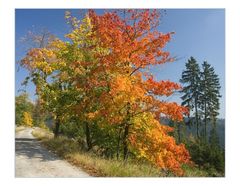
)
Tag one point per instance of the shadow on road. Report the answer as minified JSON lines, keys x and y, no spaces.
{"x":32,"y":149}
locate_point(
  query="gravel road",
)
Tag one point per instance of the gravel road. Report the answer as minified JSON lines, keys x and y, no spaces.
{"x":33,"y":160}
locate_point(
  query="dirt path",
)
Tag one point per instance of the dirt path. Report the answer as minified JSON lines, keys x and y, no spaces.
{"x":33,"y":160}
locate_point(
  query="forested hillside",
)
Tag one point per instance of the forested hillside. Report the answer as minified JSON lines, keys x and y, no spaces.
{"x":190,"y":130}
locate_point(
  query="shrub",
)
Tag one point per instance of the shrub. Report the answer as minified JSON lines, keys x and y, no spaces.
{"x":27,"y":119}
{"x":211,"y":158}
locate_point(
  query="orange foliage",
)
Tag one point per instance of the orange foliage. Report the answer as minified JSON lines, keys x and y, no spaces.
{"x":150,"y":140}
{"x":134,"y":44}
{"x":134,"y":39}
{"x":106,"y":64}
{"x":161,"y":88}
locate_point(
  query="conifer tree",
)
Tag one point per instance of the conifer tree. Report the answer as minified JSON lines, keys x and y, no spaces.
{"x":191,"y":90}
{"x":210,"y":95}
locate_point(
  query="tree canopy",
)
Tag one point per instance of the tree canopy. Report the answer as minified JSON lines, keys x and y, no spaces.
{"x":100,"y":77}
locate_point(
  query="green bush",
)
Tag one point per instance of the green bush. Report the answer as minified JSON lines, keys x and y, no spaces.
{"x":22,"y":105}
{"x":207,"y":156}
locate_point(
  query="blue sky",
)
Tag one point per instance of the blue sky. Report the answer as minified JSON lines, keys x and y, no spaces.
{"x":199,"y":33}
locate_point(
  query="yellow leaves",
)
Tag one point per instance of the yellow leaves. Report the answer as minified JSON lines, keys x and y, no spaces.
{"x":67,"y":14}
{"x":142,"y":153}
{"x":92,"y":115}
{"x":27,"y":119}
{"x":127,"y":89}
{"x":151,"y":141}
{"x":120,"y":84}
{"x":40,"y":59}
{"x":82,"y":33}
{"x":86,"y":23}
{"x":102,"y":51}
{"x":73,"y":21}
{"x":58,"y":44}
{"x":47,"y":53}
{"x":47,"y":70}
{"x":100,"y":68}
{"x":44,"y":67}
{"x":78,"y":71}
{"x":61,"y":64}
{"x":40,"y":64}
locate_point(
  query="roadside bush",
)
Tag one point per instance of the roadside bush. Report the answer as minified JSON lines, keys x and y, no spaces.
{"x":22,"y":105}
{"x":27,"y":119}
{"x":211,"y":158}
{"x":62,"y":145}
{"x":43,"y":126}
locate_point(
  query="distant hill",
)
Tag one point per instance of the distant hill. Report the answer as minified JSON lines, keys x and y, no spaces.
{"x":190,"y":129}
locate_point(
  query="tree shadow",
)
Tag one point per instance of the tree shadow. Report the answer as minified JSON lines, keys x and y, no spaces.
{"x":31,"y":148}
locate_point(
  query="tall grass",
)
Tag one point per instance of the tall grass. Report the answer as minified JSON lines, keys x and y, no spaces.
{"x":42,"y":134}
{"x":70,"y":150}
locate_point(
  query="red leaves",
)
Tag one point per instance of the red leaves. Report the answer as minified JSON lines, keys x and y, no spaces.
{"x":105,"y":66}
{"x":135,"y":43}
{"x":161,"y":88}
{"x":170,"y":110}
{"x":132,"y":37}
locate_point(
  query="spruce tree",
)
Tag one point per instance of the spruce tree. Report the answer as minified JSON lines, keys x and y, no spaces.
{"x":191,"y":89}
{"x":209,"y":96}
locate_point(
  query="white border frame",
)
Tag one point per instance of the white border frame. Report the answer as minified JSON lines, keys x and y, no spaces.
{"x":7,"y":93}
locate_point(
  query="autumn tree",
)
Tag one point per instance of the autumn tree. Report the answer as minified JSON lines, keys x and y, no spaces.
{"x":37,"y":38}
{"x":135,"y":43}
{"x":87,"y":75}
{"x":101,"y":77}
{"x":40,"y":61}
{"x":22,"y":105}
{"x":191,"y":89}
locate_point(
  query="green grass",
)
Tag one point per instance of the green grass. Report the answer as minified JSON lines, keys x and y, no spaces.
{"x":99,"y":166}
{"x":194,"y":172}
{"x":112,"y":168}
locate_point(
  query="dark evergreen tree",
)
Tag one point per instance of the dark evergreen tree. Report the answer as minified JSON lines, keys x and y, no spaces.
{"x":209,"y":97}
{"x":201,"y":93}
{"x":191,"y":89}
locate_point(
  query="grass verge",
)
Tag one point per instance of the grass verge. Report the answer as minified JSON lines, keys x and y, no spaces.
{"x":19,"y":128}
{"x":42,"y":134}
{"x":101,"y":167}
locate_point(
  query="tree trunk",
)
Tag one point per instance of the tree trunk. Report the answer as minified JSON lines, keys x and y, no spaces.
{"x":179,"y":132}
{"x":125,"y":135}
{"x":57,"y":125}
{"x":88,"y":136}
{"x":214,"y":138}
{"x":125,"y":142}
{"x":196,"y":118}
{"x":205,"y":120}
{"x":118,"y":143}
